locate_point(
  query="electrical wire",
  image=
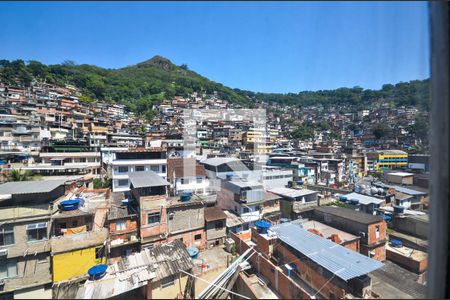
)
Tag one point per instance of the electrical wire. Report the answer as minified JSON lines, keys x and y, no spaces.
{"x":222,"y":288}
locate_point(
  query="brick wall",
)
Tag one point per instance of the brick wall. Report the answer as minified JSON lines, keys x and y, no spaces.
{"x":279,"y":281}
{"x":189,"y":238}
{"x":417,"y":266}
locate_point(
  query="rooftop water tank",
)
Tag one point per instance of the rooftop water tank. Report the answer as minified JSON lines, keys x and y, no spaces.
{"x":193,"y":252}
{"x":399,"y":209}
{"x":68,"y":205}
{"x":396,"y":243}
{"x":343,"y":199}
{"x":374,"y":190}
{"x":185,"y":197}
{"x":380,"y":191}
{"x":354,"y":201}
{"x":97,"y":272}
{"x":284,"y":220}
{"x":229,"y":176}
{"x":262,"y":226}
{"x":357,"y":189}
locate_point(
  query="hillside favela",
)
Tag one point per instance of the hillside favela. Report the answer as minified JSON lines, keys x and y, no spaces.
{"x":148,"y":180}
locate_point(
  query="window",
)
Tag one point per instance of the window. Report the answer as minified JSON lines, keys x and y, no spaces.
{"x":123,"y":182}
{"x":99,"y":252}
{"x":197,"y":237}
{"x":219,"y":225}
{"x":245,"y":227}
{"x":377,"y":231}
{"x":8,"y":269}
{"x":123,"y":169}
{"x":199,"y":180}
{"x":245,"y":210}
{"x":154,"y":169}
{"x":37,"y":232}
{"x":6,"y":235}
{"x":121,"y":225}
{"x":140,"y":168}
{"x":163,"y":169}
{"x":153,"y":218}
{"x":82,"y":159}
{"x":167,"y":281}
{"x":183,"y":181}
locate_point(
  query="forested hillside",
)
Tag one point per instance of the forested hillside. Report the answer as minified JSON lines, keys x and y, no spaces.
{"x":139,"y":86}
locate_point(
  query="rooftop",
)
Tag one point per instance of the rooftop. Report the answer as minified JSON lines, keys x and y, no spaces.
{"x":327,"y":231}
{"x":292,"y":193}
{"x":344,"y":263}
{"x":24,"y":212}
{"x":146,"y":179}
{"x":30,"y":187}
{"x":233,"y":219}
{"x":137,"y":269}
{"x":214,"y":213}
{"x":408,"y":191}
{"x":176,"y":167}
{"x":364,"y":199}
{"x":216,"y":161}
{"x":355,"y":216}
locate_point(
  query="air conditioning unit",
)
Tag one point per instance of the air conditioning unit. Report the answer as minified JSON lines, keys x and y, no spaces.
{"x":3,"y":252}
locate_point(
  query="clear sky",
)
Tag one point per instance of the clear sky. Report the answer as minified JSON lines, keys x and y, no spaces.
{"x":259,"y":46}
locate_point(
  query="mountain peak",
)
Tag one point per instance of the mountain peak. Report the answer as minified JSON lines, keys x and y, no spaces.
{"x":158,"y":61}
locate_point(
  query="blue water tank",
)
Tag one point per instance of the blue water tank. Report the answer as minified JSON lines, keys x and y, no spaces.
{"x":396,"y":243}
{"x":357,"y":189}
{"x":262,"y":226}
{"x":193,"y":252}
{"x":68,"y":205}
{"x":185,"y":197}
{"x":399,"y":209}
{"x":229,"y":176}
{"x":343,"y":198}
{"x":97,"y":272}
{"x":354,"y":201}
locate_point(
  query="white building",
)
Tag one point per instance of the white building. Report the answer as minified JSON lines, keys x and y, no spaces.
{"x":141,"y":160}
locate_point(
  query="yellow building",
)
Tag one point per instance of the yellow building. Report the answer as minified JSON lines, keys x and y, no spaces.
{"x":389,"y":159}
{"x":73,"y":256}
{"x":256,"y":140}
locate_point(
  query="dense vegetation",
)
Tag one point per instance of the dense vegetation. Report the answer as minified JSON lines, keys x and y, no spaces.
{"x":140,"y":86}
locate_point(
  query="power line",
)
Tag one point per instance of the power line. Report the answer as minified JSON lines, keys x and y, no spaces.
{"x":217,"y":286}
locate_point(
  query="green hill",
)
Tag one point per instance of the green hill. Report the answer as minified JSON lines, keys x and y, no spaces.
{"x":139,"y":86}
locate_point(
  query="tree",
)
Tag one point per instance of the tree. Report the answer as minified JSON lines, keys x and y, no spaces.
{"x":381,"y":130}
{"x":303,"y":132}
{"x":18,"y":175}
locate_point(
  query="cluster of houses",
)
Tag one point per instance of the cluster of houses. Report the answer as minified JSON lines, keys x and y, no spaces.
{"x":116,"y":212}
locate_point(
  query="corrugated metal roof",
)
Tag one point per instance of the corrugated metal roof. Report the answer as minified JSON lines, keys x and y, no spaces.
{"x":363,"y":199}
{"x":137,"y":269}
{"x":343,"y":262}
{"x":30,"y":187}
{"x":408,"y":191}
{"x":146,"y":179}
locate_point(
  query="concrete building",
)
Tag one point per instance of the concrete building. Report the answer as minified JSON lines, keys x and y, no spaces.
{"x":122,"y":222}
{"x":25,"y":267}
{"x":215,"y":226}
{"x":140,"y":160}
{"x":371,"y":229}
{"x":402,"y":178}
{"x":186,"y":221}
{"x":388,"y":159}
{"x":364,"y":203}
{"x":150,"y":192}
{"x":186,"y":175}
{"x":293,"y":199}
{"x":248,"y":200}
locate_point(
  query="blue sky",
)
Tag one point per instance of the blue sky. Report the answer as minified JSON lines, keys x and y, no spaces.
{"x":259,"y":46}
